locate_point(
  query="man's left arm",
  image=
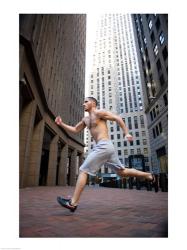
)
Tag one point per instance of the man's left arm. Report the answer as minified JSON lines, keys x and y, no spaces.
{"x":106,"y":115}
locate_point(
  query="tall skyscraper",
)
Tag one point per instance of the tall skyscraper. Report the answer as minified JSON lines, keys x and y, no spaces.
{"x":151,"y":32}
{"x":52,"y":82}
{"x":115,"y":82}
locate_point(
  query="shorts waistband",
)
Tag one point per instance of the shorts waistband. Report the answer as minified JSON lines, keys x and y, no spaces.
{"x":103,"y":140}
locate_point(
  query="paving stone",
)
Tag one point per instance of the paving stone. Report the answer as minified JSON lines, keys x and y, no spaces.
{"x":102,"y":212}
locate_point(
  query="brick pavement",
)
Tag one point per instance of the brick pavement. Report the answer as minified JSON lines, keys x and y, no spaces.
{"x":102,"y":212}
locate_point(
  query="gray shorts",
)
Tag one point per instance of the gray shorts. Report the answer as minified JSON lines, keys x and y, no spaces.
{"x":102,"y":153}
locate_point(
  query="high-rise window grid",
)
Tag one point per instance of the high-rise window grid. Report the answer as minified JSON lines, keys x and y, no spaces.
{"x":121,"y":87}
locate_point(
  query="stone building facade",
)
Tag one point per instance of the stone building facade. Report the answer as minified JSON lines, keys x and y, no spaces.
{"x":52,"y":82}
{"x":151,"y":31}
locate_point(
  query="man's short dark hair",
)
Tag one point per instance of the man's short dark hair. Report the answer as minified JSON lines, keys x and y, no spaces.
{"x":93,"y":99}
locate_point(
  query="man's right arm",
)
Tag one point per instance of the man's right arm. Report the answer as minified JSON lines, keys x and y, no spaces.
{"x":76,"y":129}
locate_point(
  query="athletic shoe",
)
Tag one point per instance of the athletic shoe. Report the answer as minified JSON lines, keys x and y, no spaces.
{"x":66,"y":203}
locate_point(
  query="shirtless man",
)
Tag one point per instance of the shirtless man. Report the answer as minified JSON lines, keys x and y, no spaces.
{"x":102,"y":153}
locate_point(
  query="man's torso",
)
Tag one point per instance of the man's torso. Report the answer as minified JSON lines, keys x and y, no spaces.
{"x":97,"y":126}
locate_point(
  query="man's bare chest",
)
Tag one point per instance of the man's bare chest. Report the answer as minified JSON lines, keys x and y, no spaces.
{"x":92,"y":122}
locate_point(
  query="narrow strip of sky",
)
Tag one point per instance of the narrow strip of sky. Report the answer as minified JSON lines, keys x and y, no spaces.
{"x":91,"y":26}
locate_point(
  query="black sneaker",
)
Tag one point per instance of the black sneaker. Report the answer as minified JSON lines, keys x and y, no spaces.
{"x":66,"y":203}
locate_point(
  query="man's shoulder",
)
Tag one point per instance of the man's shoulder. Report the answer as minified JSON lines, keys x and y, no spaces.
{"x":100,"y":111}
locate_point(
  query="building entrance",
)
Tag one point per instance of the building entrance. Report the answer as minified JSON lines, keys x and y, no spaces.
{"x":44,"y":168}
{"x":45,"y":157}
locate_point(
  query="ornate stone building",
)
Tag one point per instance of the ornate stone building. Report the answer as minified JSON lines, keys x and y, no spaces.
{"x":52,"y":82}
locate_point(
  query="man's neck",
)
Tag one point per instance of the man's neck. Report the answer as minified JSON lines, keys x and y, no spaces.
{"x":92,"y":111}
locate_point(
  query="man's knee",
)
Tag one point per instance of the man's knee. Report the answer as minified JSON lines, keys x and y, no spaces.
{"x":82,"y":172}
{"x":120,"y":172}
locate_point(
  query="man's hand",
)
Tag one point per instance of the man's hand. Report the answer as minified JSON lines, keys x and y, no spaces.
{"x":129,"y":137}
{"x":58,"y":120}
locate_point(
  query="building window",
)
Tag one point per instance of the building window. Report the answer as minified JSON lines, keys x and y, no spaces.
{"x":138,"y":151}
{"x":135,"y":122}
{"x":145,"y":151}
{"x":112,"y":137}
{"x":119,"y":144}
{"x":151,"y":115}
{"x":131,"y":143}
{"x":158,"y":64}
{"x":155,"y":50}
{"x":157,"y":131}
{"x":147,"y":16}
{"x":161,"y":38}
{"x":144,"y":142}
{"x":125,"y":143}
{"x":125,"y":152}
{"x":112,"y":129}
{"x":152,"y":37}
{"x":119,"y":152}
{"x":137,"y":142}
{"x":165,"y":99}
{"x":137,"y":134}
{"x":160,"y":127}
{"x":146,"y":159}
{"x":157,"y":109}
{"x":150,"y":24}
{"x":154,"y":113}
{"x":142,"y":121}
{"x":162,"y":80}
{"x":143,"y":133}
{"x":154,"y":135}
{"x":165,"y":53}
{"x":129,"y":123}
{"x":157,"y":24}
{"x":118,"y":136}
{"x":132,"y":151}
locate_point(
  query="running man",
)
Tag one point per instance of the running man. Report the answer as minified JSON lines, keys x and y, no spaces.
{"x":102,"y":153}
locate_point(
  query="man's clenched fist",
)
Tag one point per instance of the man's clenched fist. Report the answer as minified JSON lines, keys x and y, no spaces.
{"x":58,"y":120}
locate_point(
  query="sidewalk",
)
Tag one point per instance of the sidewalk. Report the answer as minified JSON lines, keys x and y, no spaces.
{"x":102,"y":212}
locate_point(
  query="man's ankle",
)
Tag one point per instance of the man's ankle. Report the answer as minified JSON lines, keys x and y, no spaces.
{"x":73,"y":203}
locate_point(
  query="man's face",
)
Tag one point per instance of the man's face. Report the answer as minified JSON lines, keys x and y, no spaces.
{"x":88,"y":104}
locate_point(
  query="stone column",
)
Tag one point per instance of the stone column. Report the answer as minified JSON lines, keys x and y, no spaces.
{"x":52,"y":165}
{"x":26,"y":129}
{"x":62,"y":176}
{"x":81,"y":159}
{"x":73,"y":167}
{"x":35,"y":155}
